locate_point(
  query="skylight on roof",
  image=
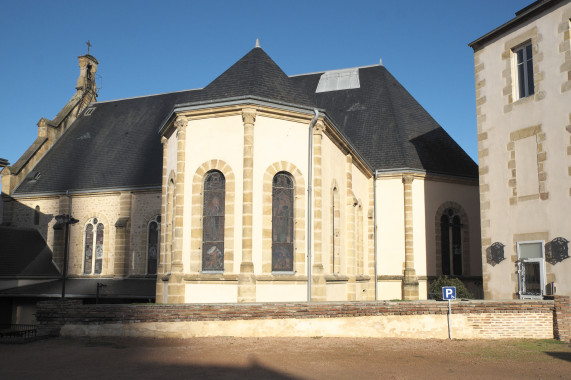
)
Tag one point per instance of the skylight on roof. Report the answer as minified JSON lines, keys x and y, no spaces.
{"x":336,"y":80}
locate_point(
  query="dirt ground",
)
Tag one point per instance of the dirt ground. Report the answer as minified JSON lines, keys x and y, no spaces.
{"x":284,"y":358}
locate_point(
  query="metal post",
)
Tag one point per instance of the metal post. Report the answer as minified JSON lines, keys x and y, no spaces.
{"x":99,"y":286}
{"x":449,"y":321}
{"x":64,"y":221}
{"x":65,"y":259}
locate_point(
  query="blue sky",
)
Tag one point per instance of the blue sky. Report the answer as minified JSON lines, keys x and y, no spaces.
{"x":147,"y":47}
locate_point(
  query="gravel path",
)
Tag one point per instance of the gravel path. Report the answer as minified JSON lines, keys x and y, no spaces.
{"x":284,"y":358}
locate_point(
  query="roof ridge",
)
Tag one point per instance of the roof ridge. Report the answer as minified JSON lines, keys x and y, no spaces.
{"x":145,"y":96}
{"x":345,"y":68}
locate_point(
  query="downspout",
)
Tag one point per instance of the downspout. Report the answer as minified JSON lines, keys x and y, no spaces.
{"x":375,"y":231}
{"x":310,"y":201}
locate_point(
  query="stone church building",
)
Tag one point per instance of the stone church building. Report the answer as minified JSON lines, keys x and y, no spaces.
{"x":259,"y":187}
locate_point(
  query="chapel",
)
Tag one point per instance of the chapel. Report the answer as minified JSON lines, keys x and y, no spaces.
{"x":259,"y":187}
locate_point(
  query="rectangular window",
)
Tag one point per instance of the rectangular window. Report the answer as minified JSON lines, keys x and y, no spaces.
{"x":524,"y":71}
{"x":531,"y":269}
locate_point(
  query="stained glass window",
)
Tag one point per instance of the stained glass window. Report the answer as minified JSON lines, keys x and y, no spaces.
{"x":88,"y":249}
{"x":153,"y":244}
{"x":451,"y":243}
{"x":99,"y":249}
{"x":93,"y":260}
{"x":213,"y":222}
{"x":445,"y":244}
{"x":282,"y":223}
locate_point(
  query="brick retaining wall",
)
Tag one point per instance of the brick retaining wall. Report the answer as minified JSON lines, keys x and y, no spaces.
{"x":562,"y":318}
{"x":485,"y":319}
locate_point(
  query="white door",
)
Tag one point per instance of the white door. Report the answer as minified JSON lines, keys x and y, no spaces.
{"x":531,"y":269}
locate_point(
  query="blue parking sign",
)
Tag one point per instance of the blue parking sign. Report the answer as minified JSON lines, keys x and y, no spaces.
{"x":449,"y":292}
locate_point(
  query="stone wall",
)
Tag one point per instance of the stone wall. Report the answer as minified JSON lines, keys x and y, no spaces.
{"x":533,"y":319}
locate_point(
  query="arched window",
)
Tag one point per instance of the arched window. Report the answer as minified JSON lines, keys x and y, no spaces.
{"x":93,"y":262}
{"x":335,"y":231}
{"x":169,"y":235}
{"x":213,"y":221}
{"x":282,"y":222}
{"x":37,"y":216}
{"x":451,"y":242}
{"x":153,"y":233}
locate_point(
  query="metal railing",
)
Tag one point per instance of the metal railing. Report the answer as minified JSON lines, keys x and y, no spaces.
{"x":18,"y":331}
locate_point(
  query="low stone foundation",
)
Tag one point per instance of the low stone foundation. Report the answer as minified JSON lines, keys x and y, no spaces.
{"x":541,"y":319}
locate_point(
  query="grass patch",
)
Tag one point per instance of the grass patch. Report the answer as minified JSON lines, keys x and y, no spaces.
{"x":397,"y":300}
{"x":521,"y":349}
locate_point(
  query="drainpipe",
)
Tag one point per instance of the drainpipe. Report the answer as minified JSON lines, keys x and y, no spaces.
{"x":310,"y":201}
{"x":375,"y":231}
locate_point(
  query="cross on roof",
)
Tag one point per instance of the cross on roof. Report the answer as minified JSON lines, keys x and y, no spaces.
{"x":88,"y":46}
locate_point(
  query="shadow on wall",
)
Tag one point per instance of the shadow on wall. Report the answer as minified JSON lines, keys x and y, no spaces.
{"x":439,"y":153}
{"x":17,"y":215}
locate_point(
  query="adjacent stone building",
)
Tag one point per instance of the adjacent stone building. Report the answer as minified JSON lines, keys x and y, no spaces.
{"x":259,"y":187}
{"x":523,"y":102}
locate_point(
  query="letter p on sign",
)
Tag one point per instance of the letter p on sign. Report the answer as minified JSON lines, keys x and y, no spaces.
{"x":449,"y":292}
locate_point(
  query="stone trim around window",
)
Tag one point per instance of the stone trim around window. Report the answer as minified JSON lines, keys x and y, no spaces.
{"x":298,"y":217}
{"x":197,"y":210}
{"x":530,"y":236}
{"x":155,"y":219}
{"x":140,"y":258}
{"x":333,"y":255}
{"x":541,"y":158}
{"x":105,"y":260}
{"x":459,"y":210}
{"x":509,"y":74}
{"x":564,"y":30}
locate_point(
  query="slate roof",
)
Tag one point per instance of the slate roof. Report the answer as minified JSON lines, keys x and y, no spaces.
{"x":118,"y":145}
{"x":388,"y":126}
{"x":256,"y":74}
{"x":25,"y":254}
{"x":523,"y":15}
{"x":127,"y":288}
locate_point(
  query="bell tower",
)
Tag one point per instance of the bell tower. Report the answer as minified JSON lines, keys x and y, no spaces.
{"x":87,"y":69}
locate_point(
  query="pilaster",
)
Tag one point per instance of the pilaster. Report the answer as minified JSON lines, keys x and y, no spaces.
{"x":410,"y":281}
{"x":161,"y":266}
{"x":122,"y":236}
{"x":246,"y":280}
{"x":176,"y":285}
{"x":318,"y":291}
{"x":59,"y":234}
{"x":350,"y":204}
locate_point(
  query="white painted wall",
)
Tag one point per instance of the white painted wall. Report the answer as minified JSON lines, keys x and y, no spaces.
{"x":552,"y":112}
